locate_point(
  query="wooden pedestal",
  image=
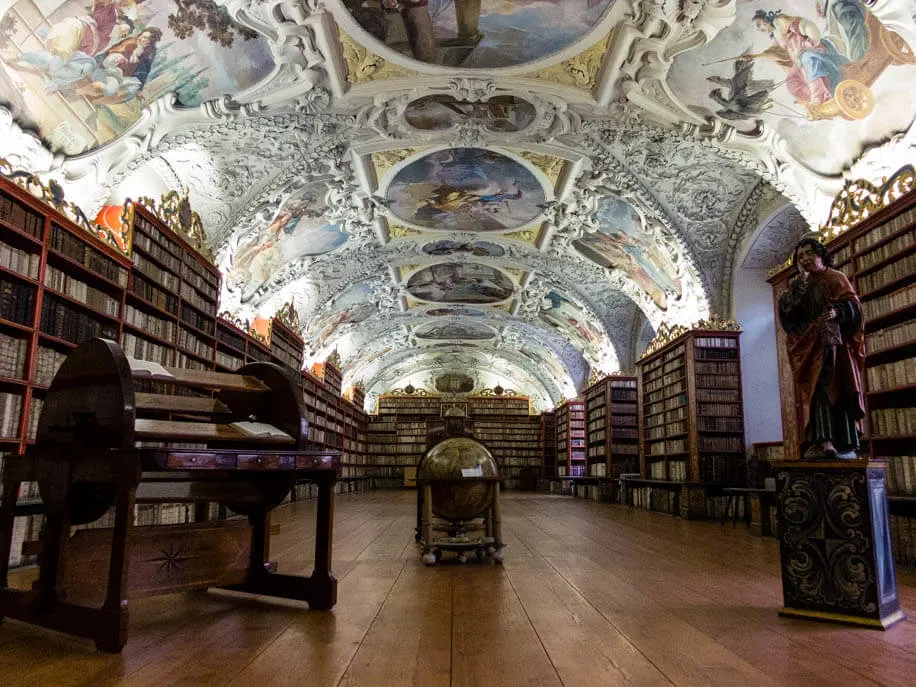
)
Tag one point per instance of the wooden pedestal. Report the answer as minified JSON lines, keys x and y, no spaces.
{"x":834,"y":543}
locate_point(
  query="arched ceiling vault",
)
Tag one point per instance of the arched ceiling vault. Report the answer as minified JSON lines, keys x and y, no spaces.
{"x":511,"y":192}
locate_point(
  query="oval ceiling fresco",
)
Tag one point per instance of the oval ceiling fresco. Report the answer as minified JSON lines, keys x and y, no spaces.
{"x":466,"y":189}
{"x":297,"y":229}
{"x":505,"y":113}
{"x":622,"y":242}
{"x":81,"y":72}
{"x":460,"y":283}
{"x":565,"y":315}
{"x":454,"y":330}
{"x":478,"y":33}
{"x":481,"y":249}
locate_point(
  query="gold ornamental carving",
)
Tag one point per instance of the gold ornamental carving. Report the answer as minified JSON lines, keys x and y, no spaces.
{"x":860,"y":199}
{"x":174,"y":209}
{"x":288,"y":316}
{"x":857,"y":201}
{"x":580,"y":71}
{"x":666,"y":334}
{"x":526,"y":235}
{"x":399,"y":231}
{"x":363,"y":65}
{"x":383,"y":161}
{"x":550,"y":165}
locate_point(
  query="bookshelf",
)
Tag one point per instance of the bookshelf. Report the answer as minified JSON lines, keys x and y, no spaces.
{"x":549,"y":442}
{"x":691,"y":416}
{"x":877,"y":251}
{"x":505,"y":426}
{"x":612,"y":434}
{"x":571,"y":439}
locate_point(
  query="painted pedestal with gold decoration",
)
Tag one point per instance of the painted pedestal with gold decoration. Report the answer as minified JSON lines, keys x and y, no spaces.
{"x":835,"y":544}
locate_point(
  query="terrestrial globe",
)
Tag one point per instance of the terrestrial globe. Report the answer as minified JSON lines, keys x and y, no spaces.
{"x":446,"y":460}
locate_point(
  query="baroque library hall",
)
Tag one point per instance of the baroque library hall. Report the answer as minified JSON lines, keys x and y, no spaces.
{"x":457,"y":342}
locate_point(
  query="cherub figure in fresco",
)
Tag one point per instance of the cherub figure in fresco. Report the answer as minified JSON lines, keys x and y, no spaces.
{"x":812,"y":62}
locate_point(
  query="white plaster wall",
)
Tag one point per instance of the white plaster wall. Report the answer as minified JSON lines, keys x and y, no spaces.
{"x":753,"y":298}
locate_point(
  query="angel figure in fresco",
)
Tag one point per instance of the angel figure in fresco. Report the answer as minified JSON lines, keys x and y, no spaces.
{"x":812,"y":62}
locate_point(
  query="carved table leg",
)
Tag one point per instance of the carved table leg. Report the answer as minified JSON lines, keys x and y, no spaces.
{"x":323,"y":587}
{"x":112,"y":636}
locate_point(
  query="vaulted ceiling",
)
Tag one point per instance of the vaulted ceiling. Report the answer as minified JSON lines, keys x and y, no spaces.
{"x":518,"y":191}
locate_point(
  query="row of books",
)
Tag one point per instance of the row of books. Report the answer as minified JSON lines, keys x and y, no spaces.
{"x":719,"y":469}
{"x":143,"y":349}
{"x":891,"y":375}
{"x":706,"y":423}
{"x":205,"y":324}
{"x":79,"y":251}
{"x":616,"y":433}
{"x":17,"y":214}
{"x":889,"y":228}
{"x":151,"y":324}
{"x":890,"y":337}
{"x":573,"y":470}
{"x":230,"y":362}
{"x":892,"y":422}
{"x":17,"y":302}
{"x":669,"y":430}
{"x":725,"y":443}
{"x":716,"y":354}
{"x":677,"y":388}
{"x":887,"y":275}
{"x":143,"y":239}
{"x":61,"y":320}
{"x":842,"y":254}
{"x":718,"y":381}
{"x":647,"y":498}
{"x":901,"y":474}
{"x":153,"y":294}
{"x":194,"y":344}
{"x":47,"y":363}
{"x":896,"y":300}
{"x":10,"y":410}
{"x":667,"y":447}
{"x":672,"y":403}
{"x":34,"y":416}
{"x":150,"y":269}
{"x":663,"y":382}
{"x":190,"y":295}
{"x":718,"y":395}
{"x":13,"y":352}
{"x":19,"y":261}
{"x":886,"y":251}
{"x":715,"y":342}
{"x":80,"y":291}
{"x":717,"y":368}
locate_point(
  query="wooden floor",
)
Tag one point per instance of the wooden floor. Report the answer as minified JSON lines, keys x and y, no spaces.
{"x":590,"y":594}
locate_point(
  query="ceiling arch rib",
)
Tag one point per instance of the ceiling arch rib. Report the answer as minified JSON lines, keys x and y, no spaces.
{"x":644,"y":186}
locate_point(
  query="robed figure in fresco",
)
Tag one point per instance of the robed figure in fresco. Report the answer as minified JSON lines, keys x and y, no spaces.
{"x":822,"y":316}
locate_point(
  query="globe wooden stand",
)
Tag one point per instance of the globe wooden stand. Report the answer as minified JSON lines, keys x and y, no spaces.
{"x":487,"y":545}
{"x":835,"y":544}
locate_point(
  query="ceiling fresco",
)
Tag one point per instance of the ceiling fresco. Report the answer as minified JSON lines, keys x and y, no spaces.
{"x":480,"y":34}
{"x":468,"y":193}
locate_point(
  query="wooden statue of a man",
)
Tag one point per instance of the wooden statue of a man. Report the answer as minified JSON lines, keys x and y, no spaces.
{"x":822,"y":316}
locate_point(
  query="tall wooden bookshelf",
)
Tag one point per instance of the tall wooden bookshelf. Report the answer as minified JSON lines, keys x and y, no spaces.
{"x":690,"y":410}
{"x":611,"y":416}
{"x":571,"y":457}
{"x":506,"y":427}
{"x":878,"y":253}
{"x":549,"y":442}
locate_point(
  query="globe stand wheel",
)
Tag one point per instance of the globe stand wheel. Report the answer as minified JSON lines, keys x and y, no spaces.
{"x":430,"y":559}
{"x":498,"y":556}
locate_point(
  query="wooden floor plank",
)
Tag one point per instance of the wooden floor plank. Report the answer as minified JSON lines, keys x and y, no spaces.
{"x":409,"y":642}
{"x":493,"y":642}
{"x":583,"y":646}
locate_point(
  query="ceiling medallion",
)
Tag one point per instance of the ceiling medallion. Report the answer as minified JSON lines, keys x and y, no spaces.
{"x":363,"y":65}
{"x":580,"y":71}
